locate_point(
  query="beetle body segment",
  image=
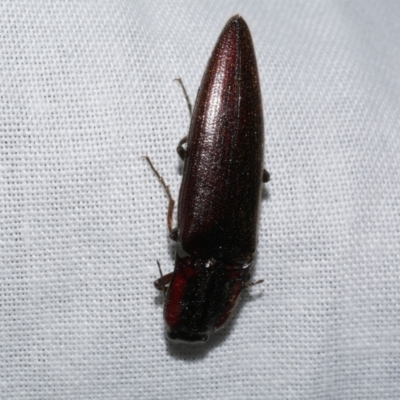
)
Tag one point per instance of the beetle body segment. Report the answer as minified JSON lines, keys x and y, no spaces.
{"x":221,"y":191}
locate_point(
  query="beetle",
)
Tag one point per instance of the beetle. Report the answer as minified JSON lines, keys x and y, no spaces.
{"x":220,"y":194}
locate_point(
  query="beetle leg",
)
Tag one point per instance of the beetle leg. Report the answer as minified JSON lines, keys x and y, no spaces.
{"x":265,"y":177}
{"x":250,"y":284}
{"x":180,"y":150}
{"x":163,"y":281}
{"x":171,"y":201}
{"x":189,"y":105}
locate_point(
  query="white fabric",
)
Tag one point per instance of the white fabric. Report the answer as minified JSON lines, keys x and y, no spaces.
{"x":86,"y":89}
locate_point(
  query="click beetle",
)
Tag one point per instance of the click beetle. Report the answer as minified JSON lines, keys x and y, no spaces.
{"x":220,"y":194}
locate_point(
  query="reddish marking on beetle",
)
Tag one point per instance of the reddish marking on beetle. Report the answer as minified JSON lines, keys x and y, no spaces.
{"x":180,"y":279}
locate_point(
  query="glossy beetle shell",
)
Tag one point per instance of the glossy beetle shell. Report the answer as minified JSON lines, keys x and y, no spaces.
{"x":221,"y":190}
{"x":220,"y":193}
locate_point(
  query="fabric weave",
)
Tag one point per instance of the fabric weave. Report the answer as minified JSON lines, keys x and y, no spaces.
{"x":86,"y":90}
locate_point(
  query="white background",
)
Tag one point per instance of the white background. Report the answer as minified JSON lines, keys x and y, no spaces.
{"x":86,"y":89}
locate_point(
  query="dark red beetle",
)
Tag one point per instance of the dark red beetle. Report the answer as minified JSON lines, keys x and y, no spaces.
{"x":220,"y":194}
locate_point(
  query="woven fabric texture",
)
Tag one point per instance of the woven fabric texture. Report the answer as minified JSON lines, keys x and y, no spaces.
{"x":86,"y":89}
